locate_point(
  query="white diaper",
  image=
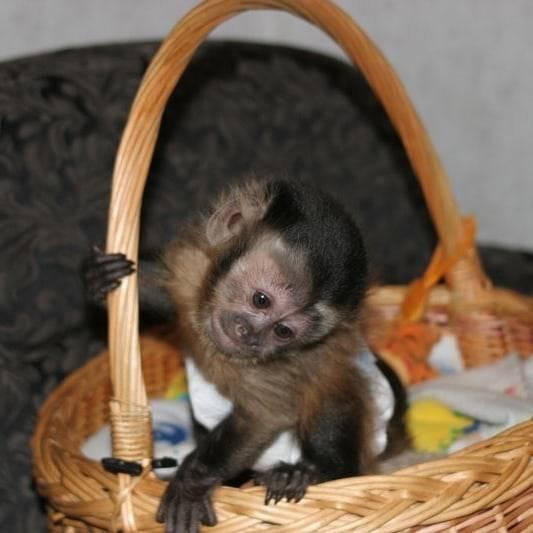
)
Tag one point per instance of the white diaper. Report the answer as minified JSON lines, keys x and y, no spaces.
{"x":210,"y":408}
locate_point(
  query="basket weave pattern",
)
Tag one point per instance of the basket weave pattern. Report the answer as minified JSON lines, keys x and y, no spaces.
{"x":487,"y":487}
{"x":495,"y":476}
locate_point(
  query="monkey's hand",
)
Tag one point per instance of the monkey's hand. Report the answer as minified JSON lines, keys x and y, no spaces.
{"x":102,"y":273}
{"x":186,"y":503}
{"x":288,"y":481}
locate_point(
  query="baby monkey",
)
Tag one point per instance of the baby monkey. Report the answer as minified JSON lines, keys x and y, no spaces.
{"x":267,"y":291}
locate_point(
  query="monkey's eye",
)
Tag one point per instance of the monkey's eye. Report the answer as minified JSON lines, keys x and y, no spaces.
{"x":261,"y":300}
{"x":283,"y":332}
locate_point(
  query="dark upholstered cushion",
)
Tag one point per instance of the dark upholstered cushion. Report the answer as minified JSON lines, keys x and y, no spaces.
{"x":240,"y":108}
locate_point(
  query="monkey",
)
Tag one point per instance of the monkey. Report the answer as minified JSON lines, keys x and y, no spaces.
{"x":268,"y":292}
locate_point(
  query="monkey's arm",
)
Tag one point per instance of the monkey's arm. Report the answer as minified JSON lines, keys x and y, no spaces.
{"x":103,"y":272}
{"x":225,"y":452}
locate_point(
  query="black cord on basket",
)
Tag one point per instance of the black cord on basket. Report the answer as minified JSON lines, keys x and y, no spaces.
{"x":120,"y":466}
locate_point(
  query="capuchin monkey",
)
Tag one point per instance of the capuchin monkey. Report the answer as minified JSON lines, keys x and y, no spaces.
{"x":268,"y":291}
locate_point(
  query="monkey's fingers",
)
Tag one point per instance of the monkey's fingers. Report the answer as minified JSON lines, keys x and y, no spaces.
{"x":99,"y":259}
{"x":287,"y":481}
{"x":101,"y":292}
{"x":168,"y":503}
{"x":164,"y":504}
{"x":102,"y":274}
{"x":190,"y":515}
{"x":98,"y":256}
{"x":107,"y":263}
{"x":175,"y":514}
{"x":308,"y":477}
{"x":294,"y":485}
{"x":278,"y":486}
{"x":186,"y":518}
{"x":184,"y":514}
{"x":208,"y":515}
{"x":98,"y":290}
{"x":109,"y":271}
{"x":160,"y":513}
{"x":275,"y":481}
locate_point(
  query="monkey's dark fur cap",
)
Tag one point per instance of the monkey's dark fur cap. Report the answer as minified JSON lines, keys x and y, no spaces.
{"x":310,"y":219}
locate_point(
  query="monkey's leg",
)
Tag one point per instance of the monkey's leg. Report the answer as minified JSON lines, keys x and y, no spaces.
{"x":336,"y":445}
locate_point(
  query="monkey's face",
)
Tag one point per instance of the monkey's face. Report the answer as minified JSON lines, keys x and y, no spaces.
{"x":285,"y":265}
{"x":262,"y":306}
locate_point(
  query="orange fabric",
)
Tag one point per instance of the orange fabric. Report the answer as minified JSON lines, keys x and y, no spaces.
{"x":409,"y":344}
{"x":406,"y":350}
{"x":418,"y":291}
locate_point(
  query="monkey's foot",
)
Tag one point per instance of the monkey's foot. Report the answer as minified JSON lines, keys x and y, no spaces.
{"x":185,"y":506}
{"x":288,"y":481}
{"x":102,"y":273}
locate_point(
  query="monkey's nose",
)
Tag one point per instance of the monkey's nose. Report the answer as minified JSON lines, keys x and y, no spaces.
{"x":241,"y":331}
{"x":245,"y":332}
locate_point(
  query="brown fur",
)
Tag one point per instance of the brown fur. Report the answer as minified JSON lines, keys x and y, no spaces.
{"x":277,"y":394}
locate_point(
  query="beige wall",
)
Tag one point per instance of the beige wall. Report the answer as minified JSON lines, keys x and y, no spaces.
{"x":468,"y":65}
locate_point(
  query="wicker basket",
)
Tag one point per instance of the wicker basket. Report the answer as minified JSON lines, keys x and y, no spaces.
{"x":486,"y":487}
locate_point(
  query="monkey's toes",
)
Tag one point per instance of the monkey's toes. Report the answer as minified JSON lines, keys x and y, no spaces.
{"x":287,"y":481}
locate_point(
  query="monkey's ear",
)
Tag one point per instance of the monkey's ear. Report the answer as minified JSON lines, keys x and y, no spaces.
{"x":243,"y":205}
{"x":226,"y":222}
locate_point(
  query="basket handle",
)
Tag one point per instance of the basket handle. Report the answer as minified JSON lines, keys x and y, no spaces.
{"x":140,"y":135}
